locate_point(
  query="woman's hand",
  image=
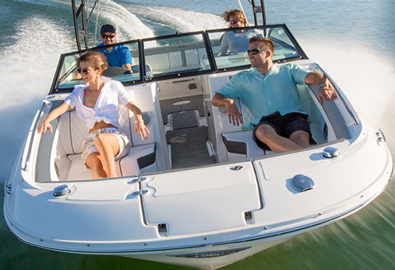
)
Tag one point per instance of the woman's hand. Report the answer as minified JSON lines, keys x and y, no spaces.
{"x":44,"y":126}
{"x":139,"y":122}
{"x":141,"y":129}
{"x":51,"y":116}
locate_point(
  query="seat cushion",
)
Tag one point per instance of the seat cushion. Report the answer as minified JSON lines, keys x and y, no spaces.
{"x":78,"y":171}
{"x":241,"y":142}
{"x":139,"y":157}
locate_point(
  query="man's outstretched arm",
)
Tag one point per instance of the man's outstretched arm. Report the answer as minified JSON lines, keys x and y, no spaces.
{"x":327,"y":90}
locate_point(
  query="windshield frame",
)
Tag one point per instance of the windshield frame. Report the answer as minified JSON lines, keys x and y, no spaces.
{"x":204,"y":45}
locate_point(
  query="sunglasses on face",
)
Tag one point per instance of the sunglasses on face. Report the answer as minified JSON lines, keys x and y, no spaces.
{"x":255,"y":51}
{"x":83,"y":71}
{"x":233,"y":22}
{"x":108,"y":36}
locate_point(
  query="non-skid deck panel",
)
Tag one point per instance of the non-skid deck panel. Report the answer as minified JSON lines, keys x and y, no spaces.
{"x":188,"y":147}
{"x":184,"y":119}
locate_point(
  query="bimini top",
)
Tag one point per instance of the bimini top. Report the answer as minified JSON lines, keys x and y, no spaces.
{"x":181,"y":55}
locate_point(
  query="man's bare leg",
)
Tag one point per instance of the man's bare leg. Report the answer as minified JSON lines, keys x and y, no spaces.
{"x":301,"y":138}
{"x":267,"y":134}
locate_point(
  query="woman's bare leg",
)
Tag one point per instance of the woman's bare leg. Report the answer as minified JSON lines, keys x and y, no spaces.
{"x":94,"y":162}
{"x":108,"y":146}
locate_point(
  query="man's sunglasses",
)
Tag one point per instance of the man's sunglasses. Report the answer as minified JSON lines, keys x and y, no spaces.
{"x":255,"y":51}
{"x":84,"y":71}
{"x":108,"y":36}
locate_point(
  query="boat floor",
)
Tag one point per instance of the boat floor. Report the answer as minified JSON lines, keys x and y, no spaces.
{"x":173,"y":105}
{"x":186,"y":136}
{"x":188,"y":147}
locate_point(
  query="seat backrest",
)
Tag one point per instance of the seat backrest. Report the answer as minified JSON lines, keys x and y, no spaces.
{"x":316,"y":120}
{"x":136,"y":68}
{"x":73,"y":130}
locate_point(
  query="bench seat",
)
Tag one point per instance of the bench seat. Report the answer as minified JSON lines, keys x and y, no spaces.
{"x":232,"y":143}
{"x":71,"y":133}
{"x":241,"y":143}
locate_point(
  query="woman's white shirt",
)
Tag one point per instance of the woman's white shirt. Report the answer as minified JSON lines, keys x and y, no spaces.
{"x":108,"y":104}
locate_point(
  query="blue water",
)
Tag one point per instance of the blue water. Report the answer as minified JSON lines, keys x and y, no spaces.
{"x":352,"y":40}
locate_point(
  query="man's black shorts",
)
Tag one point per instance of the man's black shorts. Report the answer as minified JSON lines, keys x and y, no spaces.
{"x":284,"y":125}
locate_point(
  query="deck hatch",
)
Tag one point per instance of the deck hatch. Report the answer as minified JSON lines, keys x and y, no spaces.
{"x":199,"y":190}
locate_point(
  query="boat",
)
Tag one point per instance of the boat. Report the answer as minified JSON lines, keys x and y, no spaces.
{"x":198,"y":192}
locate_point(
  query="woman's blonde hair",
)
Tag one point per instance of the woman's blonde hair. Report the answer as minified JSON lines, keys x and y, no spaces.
{"x":240,"y":15}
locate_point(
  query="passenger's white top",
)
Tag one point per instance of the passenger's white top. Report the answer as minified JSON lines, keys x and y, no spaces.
{"x":107,"y":106}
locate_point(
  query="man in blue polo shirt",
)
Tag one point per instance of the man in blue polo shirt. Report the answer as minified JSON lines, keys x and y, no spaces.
{"x":117,"y":56}
{"x":269,"y":91}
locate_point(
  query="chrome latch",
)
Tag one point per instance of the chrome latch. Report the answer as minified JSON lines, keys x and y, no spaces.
{"x":8,"y":188}
{"x":61,"y":191}
{"x":302,"y":183}
{"x":236,"y":168}
{"x":140,"y":192}
{"x":331,"y":152}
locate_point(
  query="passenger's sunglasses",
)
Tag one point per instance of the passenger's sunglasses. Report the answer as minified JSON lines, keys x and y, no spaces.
{"x":108,"y":36}
{"x":233,"y":22}
{"x":255,"y":51}
{"x":84,"y":71}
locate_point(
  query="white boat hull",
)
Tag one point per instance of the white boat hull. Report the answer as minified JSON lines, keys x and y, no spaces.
{"x":239,"y":201}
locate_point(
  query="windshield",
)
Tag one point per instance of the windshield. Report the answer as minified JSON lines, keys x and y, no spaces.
{"x":184,"y":55}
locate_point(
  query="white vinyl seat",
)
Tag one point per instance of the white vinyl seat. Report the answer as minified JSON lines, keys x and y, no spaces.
{"x":72,"y":131}
{"x":239,"y":144}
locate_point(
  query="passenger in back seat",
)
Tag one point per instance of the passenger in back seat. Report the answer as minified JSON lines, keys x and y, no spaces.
{"x":98,"y":102}
{"x":270,"y":93}
{"x":233,"y":42}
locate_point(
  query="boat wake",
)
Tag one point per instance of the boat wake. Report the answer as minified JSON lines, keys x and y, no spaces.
{"x":370,"y":89}
{"x":122,"y":19}
{"x":27,"y":71}
{"x":178,"y":19}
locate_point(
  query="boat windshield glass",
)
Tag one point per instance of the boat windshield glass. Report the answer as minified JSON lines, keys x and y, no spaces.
{"x":284,"y":48}
{"x":69,"y":77}
{"x":185,"y":54}
{"x":176,"y":55}
{"x":230,"y":46}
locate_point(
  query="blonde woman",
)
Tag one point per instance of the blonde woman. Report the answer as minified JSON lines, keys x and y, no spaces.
{"x":236,"y":41}
{"x":98,"y":102}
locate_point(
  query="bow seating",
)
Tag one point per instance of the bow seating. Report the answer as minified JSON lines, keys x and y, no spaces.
{"x":235,"y":144}
{"x":71,"y":133}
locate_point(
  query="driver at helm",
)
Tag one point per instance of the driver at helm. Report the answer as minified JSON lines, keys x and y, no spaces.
{"x":117,"y":56}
